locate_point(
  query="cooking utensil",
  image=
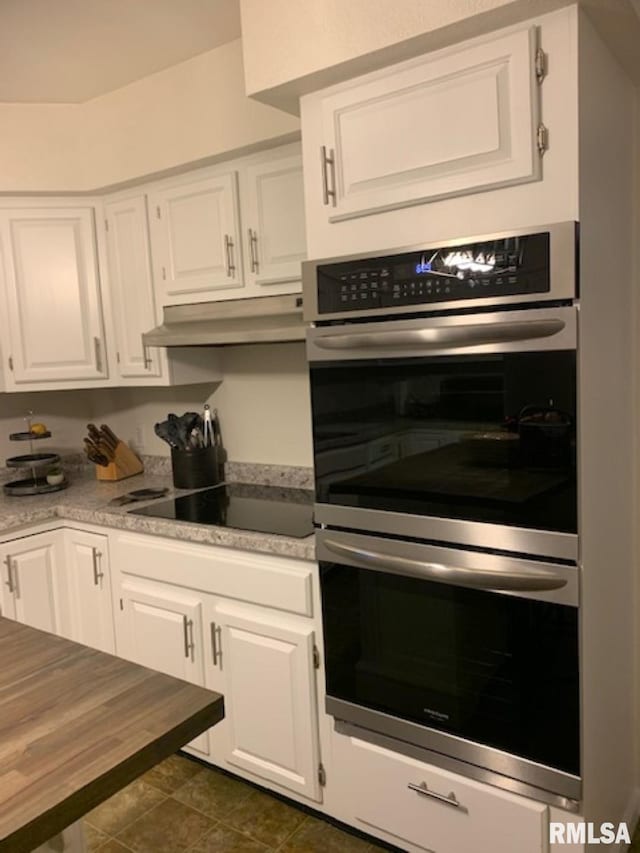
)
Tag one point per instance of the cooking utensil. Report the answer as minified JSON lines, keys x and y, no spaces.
{"x":139,"y":495}
{"x":207,"y":427}
{"x":93,"y":453}
{"x":109,"y":437}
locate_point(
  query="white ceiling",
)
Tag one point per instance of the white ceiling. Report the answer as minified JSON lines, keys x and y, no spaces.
{"x":67,"y":51}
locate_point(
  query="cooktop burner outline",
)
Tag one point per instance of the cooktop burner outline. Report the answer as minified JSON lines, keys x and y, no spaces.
{"x":242,"y":506}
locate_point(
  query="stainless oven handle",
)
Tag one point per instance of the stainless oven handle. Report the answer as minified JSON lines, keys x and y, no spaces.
{"x":437,"y":337}
{"x":531,"y":580}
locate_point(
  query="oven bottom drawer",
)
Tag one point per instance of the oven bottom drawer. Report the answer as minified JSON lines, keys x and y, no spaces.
{"x":435,"y":810}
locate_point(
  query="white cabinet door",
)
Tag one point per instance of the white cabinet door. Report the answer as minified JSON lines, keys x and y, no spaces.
{"x":133,"y":299}
{"x":33,"y":587}
{"x":88,"y":584}
{"x":162,"y":629}
{"x":195,"y":240}
{"x":459,"y":121}
{"x":54,"y":314}
{"x":270,"y":699}
{"x":273,"y":213}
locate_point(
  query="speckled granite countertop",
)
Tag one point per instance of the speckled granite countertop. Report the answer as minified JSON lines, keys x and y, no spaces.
{"x":88,"y":501}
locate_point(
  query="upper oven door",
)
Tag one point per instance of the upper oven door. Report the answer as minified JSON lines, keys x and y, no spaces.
{"x":458,"y":428}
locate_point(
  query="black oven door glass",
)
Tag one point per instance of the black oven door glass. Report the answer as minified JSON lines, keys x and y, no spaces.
{"x":495,"y":669}
{"x":488,"y":438}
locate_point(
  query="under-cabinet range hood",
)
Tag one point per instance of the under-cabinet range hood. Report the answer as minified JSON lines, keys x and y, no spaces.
{"x":260,"y":319}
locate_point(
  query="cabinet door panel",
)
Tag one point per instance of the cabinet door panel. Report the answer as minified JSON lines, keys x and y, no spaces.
{"x":269,"y":688}
{"x":35,"y":579}
{"x":163,"y":630}
{"x":195,"y":244}
{"x":89,"y":587}
{"x":132,"y":286}
{"x":53,"y":300}
{"x":462,"y":121}
{"x":275,"y":216}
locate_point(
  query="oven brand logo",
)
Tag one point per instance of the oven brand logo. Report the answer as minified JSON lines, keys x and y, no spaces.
{"x":588,"y":833}
{"x":435,"y":715}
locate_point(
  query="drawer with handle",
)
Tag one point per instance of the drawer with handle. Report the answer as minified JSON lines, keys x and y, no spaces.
{"x":432,"y":809}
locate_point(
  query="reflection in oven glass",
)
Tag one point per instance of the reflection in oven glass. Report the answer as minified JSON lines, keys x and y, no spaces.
{"x":496,"y":669}
{"x":483,"y":438}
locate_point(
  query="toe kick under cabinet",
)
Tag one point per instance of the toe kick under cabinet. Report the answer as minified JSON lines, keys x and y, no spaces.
{"x":236,"y":622}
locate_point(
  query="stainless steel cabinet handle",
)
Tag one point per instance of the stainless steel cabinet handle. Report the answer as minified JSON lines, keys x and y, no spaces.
{"x":328,"y":162}
{"x":216,"y":651}
{"x":470,"y":334}
{"x":228,"y":247}
{"x":9,"y":582}
{"x":147,"y":358}
{"x":189,"y":646}
{"x":97,"y":346}
{"x":253,"y":250}
{"x":529,"y":580}
{"x":97,"y":574}
{"x":423,"y":790}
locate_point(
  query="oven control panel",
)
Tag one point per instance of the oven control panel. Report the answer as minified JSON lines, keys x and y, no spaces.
{"x":508,"y":266}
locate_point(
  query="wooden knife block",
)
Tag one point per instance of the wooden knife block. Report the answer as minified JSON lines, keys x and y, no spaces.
{"x":125,"y":464}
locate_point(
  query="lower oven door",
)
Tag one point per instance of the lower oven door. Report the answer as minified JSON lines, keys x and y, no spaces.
{"x":469,"y":655}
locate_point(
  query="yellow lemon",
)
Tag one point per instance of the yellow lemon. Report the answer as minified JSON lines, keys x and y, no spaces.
{"x":38,"y":429}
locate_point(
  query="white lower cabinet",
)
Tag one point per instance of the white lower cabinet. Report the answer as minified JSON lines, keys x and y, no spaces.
{"x":33,"y":590}
{"x":161,"y":627}
{"x":263,"y":663}
{"x":421,"y":807}
{"x":88,"y":585}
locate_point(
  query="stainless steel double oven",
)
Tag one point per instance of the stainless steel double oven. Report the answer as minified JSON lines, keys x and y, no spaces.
{"x":443,"y":385}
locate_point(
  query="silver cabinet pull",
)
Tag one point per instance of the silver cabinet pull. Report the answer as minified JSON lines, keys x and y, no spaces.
{"x":147,"y":358}
{"x":97,"y":346}
{"x":253,"y":250}
{"x":215,"y":651}
{"x":97,"y":574}
{"x":423,"y":790}
{"x":9,"y":582}
{"x":187,"y":625}
{"x":328,"y":162}
{"x":228,"y":247}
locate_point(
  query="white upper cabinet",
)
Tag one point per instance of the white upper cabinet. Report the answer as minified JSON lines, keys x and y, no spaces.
{"x":53,"y":319}
{"x":131,"y":284}
{"x":273,"y":216}
{"x":195,"y":230}
{"x":456,"y":122}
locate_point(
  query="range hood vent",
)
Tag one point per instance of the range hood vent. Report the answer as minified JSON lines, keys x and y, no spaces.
{"x":260,"y":319}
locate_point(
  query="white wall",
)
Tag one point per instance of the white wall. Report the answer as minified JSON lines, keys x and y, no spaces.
{"x":192,"y":112}
{"x":263,"y":405}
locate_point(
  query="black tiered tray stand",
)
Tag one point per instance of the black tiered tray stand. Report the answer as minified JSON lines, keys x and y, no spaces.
{"x":33,"y":463}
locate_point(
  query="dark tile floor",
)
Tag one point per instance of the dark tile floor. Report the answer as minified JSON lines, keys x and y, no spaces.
{"x":180,"y":805}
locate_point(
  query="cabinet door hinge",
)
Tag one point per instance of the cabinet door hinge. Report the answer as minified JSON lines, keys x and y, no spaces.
{"x":118,"y":357}
{"x":121,"y":604}
{"x":106,"y":225}
{"x":316,"y":657}
{"x":164,"y":274}
{"x":322,"y":775}
{"x":10,"y":362}
{"x":542,"y":139}
{"x":158,"y":214}
{"x":540,"y":65}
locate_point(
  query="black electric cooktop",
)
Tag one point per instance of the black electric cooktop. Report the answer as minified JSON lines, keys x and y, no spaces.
{"x":245,"y":506}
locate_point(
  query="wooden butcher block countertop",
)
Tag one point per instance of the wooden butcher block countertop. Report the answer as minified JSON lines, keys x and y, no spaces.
{"x":76,"y":725}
